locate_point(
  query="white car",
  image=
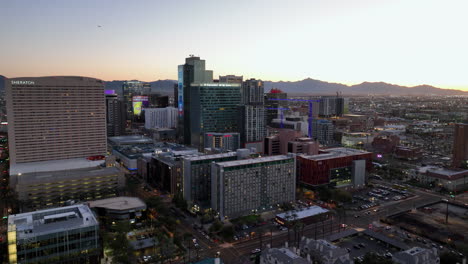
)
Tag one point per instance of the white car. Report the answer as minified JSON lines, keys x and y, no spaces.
{"x":257,"y":250}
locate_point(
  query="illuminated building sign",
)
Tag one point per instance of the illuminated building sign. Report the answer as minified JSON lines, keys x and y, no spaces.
{"x":180,"y":88}
{"x":23,"y":82}
{"x":138,"y":102}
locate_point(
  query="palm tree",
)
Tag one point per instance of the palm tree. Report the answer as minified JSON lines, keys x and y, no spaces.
{"x":261,"y":232}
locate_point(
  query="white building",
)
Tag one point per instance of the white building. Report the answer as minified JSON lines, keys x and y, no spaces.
{"x":417,"y":255}
{"x":243,"y":187}
{"x":160,"y":117}
{"x":323,"y":251}
{"x":281,"y":256}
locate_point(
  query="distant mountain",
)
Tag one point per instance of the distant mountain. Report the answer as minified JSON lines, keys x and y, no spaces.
{"x":163,"y":86}
{"x":311,"y":86}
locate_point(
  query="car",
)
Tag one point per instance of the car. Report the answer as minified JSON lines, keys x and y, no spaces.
{"x":368,"y":213}
{"x":257,"y":250}
{"x":361,"y":245}
{"x":356,"y":247}
{"x":388,"y":228}
{"x":356,"y":216}
{"x":348,"y":249}
{"x":388,"y":255}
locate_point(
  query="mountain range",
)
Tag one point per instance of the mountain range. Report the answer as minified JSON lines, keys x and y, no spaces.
{"x":316,"y":87}
{"x":311,"y":86}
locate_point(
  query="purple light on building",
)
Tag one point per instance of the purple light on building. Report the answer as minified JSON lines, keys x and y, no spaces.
{"x":109,"y":91}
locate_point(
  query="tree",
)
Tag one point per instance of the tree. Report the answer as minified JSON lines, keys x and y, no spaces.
{"x":342,"y":196}
{"x":227,"y":232}
{"x":324,"y":193}
{"x":216,"y":226}
{"x":261,"y":231}
{"x":449,"y":257}
{"x":118,"y":244}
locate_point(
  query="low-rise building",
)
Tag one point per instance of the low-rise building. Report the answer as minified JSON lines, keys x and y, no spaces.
{"x":118,"y":209}
{"x":281,"y":256}
{"x":324,"y":252}
{"x":307,"y":215}
{"x":408,"y":153}
{"x":59,"y":235}
{"x":451,"y":179}
{"x":417,"y":255}
{"x":244,"y":187}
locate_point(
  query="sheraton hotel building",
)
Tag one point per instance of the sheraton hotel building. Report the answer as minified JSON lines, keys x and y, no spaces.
{"x":56,"y":129}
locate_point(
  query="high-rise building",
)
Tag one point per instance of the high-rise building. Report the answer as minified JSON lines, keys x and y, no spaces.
{"x":252,"y":114}
{"x":60,"y":235}
{"x":160,"y":117}
{"x":272,"y":113}
{"x":197,"y":178}
{"x":192,"y":71}
{"x":158,"y":101}
{"x":130,"y":90}
{"x":322,"y":130}
{"x":245,"y":187}
{"x":115,"y":116}
{"x":52,"y":118}
{"x":222,"y":142}
{"x":331,"y":106}
{"x":231,"y":79}
{"x":460,"y":146}
{"x":214,"y":107}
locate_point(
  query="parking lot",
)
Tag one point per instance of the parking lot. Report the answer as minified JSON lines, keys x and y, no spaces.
{"x":378,"y":195}
{"x":358,"y":246}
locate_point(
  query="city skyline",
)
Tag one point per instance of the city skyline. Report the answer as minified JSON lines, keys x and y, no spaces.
{"x":334,"y":41}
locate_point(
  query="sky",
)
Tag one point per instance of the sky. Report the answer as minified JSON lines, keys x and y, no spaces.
{"x":405,"y":42}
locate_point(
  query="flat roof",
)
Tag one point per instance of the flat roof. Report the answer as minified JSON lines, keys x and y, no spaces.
{"x":49,"y":176}
{"x":335,"y":153}
{"x":304,"y":213}
{"x":212,"y":156}
{"x":135,"y":139}
{"x":54,"y":165}
{"x":253,"y":161}
{"x":51,"y":220}
{"x":119,"y":203}
{"x":134,"y":151}
{"x":446,"y":172}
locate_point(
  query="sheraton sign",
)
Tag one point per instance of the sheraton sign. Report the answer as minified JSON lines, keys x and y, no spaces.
{"x":22,"y":82}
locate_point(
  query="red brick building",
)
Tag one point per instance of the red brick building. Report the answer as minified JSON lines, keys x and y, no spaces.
{"x":332,"y":166}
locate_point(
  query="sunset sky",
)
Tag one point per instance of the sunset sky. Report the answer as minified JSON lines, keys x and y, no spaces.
{"x":406,"y":42}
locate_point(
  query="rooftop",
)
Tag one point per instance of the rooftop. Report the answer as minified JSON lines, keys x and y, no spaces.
{"x":332,"y":153}
{"x":253,"y":161}
{"x":285,"y":255}
{"x":54,"y":165}
{"x":48,"y":176}
{"x":119,"y":203}
{"x":51,"y":221}
{"x":304,"y":213}
{"x":212,"y":156}
{"x":134,"y":151}
{"x":126,"y":140}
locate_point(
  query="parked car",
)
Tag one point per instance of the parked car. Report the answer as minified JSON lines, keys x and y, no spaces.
{"x":257,"y":250}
